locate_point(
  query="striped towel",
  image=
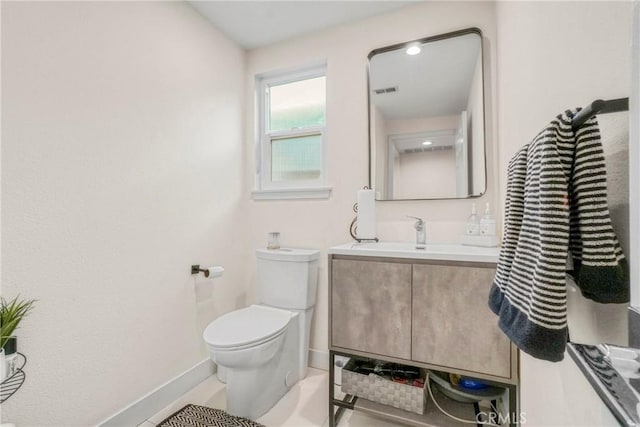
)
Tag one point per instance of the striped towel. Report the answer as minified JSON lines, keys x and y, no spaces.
{"x":556,"y":205}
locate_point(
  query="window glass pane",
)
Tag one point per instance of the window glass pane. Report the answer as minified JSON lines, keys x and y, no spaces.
{"x":297,"y":104}
{"x":296,"y":159}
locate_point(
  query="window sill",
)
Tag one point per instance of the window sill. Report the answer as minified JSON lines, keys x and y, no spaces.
{"x":292,"y":193}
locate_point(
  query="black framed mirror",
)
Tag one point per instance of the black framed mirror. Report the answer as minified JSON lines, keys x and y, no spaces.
{"x":426,"y":118}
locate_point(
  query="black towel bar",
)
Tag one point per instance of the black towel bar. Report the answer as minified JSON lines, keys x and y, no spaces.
{"x":599,"y":107}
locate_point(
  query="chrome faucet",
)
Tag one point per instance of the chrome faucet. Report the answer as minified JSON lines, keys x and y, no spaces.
{"x":421,"y":232}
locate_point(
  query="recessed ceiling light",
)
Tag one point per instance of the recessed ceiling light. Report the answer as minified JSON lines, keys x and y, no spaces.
{"x":413,"y":50}
{"x":427,"y":143}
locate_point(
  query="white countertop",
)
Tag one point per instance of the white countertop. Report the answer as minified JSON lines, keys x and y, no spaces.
{"x":433,"y":251}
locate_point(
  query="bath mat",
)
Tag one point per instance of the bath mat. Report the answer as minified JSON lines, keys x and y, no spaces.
{"x":201,"y":416}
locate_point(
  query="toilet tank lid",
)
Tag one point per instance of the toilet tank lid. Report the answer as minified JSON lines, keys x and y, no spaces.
{"x":289,"y":254}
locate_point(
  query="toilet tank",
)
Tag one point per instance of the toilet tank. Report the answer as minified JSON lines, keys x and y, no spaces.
{"x":288,"y":278}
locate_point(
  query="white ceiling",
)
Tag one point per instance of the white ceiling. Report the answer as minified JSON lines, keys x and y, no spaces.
{"x":435,"y":82}
{"x":254,"y":24}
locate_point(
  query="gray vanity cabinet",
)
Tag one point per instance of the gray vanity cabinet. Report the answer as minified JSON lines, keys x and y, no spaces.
{"x":452,"y":324}
{"x":429,"y":313}
{"x":371,"y":307}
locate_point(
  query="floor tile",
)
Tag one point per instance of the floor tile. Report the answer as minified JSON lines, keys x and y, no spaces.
{"x":305,"y":405}
{"x":358,"y":419}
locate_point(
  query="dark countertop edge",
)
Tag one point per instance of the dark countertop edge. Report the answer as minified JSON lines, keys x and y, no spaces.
{"x":615,"y":408}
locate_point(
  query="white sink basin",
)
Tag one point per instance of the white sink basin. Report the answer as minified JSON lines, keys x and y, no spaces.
{"x":434,"y":251}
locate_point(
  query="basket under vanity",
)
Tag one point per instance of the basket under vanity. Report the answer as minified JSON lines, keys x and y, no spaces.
{"x":425,"y":308}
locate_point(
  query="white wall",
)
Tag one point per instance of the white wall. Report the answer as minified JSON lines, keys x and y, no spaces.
{"x":121,"y":166}
{"x":428,"y":172}
{"x":323,"y":223}
{"x":553,"y":56}
{"x":422,"y":124}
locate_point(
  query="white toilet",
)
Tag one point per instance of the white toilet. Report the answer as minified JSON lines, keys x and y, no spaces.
{"x":263,"y":349}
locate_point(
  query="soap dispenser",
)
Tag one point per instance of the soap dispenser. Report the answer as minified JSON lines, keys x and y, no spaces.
{"x":487,"y":223}
{"x":473,"y":222}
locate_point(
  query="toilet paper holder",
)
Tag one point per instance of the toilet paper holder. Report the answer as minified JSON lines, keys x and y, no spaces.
{"x":215,"y":271}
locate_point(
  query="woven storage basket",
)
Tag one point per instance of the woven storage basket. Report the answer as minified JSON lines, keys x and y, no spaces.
{"x":382,"y":390}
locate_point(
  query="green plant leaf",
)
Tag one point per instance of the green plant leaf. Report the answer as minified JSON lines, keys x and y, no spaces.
{"x":11,"y":314}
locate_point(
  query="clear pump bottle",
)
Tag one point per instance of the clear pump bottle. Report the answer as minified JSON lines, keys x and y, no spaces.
{"x":473,"y":222}
{"x":487,"y":223}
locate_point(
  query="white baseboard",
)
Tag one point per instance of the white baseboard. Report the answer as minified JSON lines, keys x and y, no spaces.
{"x":319,"y":359}
{"x":150,"y":404}
{"x":154,"y":401}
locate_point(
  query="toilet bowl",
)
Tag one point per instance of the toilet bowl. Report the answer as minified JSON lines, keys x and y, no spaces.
{"x":257,"y":347}
{"x":262,"y":350}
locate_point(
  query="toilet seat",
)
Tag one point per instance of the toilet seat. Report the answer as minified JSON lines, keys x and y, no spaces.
{"x":247,"y":327}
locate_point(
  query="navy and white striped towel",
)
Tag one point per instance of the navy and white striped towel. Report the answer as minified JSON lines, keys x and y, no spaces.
{"x":556,"y":205}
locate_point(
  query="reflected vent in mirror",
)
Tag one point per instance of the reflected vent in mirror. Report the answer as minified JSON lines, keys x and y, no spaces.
{"x":424,"y":149}
{"x":386,"y":90}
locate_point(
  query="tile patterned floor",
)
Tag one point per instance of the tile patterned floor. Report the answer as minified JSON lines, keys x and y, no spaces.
{"x":305,"y":405}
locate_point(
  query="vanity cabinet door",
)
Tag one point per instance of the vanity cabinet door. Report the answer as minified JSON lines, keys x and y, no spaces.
{"x":371,"y":307}
{"x":452,"y":324}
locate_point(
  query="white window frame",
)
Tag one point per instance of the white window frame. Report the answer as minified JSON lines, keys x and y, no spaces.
{"x":299,"y":189}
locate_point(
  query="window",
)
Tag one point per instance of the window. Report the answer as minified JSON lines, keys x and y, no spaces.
{"x":291,"y":143}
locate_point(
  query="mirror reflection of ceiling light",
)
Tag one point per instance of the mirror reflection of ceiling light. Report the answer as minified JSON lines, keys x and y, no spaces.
{"x":413,"y":50}
{"x":427,"y":143}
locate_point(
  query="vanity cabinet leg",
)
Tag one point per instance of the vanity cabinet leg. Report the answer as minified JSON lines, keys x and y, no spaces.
{"x":476,"y":409}
{"x":514,"y":414}
{"x":332,"y":378}
{"x":348,"y":402}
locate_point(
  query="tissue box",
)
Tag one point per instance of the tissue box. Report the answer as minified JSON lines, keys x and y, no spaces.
{"x":379,"y":389}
